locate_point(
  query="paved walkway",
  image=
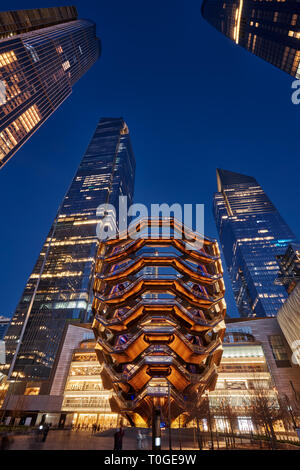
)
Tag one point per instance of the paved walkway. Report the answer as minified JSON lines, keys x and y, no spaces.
{"x":85,"y":440}
{"x":183,"y":439}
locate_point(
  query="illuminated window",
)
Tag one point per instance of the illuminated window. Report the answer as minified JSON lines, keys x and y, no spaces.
{"x":66,"y":65}
{"x":245,"y":424}
{"x":17,"y":130}
{"x":279,"y":351}
{"x":7,"y":58}
{"x":294,"y":20}
{"x":296,"y":65}
{"x":222,"y":424}
{"x":32,"y":391}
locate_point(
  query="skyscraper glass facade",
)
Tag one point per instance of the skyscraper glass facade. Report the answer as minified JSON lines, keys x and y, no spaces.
{"x":60,"y":286}
{"x":4,"y":324}
{"x":38,"y":69}
{"x":289,"y":263}
{"x":23,"y":21}
{"x":268,"y":29}
{"x":252,"y":234}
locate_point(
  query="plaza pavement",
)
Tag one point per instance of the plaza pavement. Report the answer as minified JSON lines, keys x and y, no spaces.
{"x":182,"y":439}
{"x":85,"y":440}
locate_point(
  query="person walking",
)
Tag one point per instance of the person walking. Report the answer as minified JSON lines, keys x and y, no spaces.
{"x":119,"y":439}
{"x":140,"y":440}
{"x":46,"y":429}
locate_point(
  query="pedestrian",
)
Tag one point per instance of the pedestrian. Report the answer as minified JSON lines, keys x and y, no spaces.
{"x":39,"y":433}
{"x":46,"y":428}
{"x":140,"y":440}
{"x":119,"y":439}
{"x":116,"y":440}
{"x":6,"y":441}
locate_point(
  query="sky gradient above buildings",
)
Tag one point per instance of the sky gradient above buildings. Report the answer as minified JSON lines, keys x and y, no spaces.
{"x":193,"y":102}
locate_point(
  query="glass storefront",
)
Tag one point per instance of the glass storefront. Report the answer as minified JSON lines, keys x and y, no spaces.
{"x":85,"y":421}
{"x":84,"y":397}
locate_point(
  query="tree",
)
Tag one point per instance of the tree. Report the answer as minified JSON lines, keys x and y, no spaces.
{"x":265,"y":411}
{"x":200,"y":411}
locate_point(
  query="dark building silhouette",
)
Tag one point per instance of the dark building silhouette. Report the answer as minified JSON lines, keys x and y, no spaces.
{"x":270,"y":30}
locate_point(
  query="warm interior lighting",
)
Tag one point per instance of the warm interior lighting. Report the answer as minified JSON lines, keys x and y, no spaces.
{"x":17,"y":130}
{"x":32,"y":391}
{"x":7,"y":58}
{"x":159,"y":291}
{"x":238,"y":22}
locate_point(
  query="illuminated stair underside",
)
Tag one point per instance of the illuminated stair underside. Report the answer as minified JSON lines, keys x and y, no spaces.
{"x":159,"y":319}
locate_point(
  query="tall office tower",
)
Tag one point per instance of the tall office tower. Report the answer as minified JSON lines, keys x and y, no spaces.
{"x":269,"y":30}
{"x":43,"y":53}
{"x":252,"y":234}
{"x":60,"y":286}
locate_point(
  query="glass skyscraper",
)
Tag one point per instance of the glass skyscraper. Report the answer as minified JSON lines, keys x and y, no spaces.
{"x":289,"y":263}
{"x":252,"y":234}
{"x":268,"y":29}
{"x":4,"y":324}
{"x":43,"y":53}
{"x":60,"y":286}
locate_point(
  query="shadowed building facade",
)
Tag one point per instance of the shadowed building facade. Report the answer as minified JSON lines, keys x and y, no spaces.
{"x":159,"y":318}
{"x":60,"y":287}
{"x":252,"y":235}
{"x":270,"y":30}
{"x":43,"y":53}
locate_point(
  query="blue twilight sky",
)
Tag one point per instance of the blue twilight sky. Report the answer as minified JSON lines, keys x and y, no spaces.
{"x":193,"y":101}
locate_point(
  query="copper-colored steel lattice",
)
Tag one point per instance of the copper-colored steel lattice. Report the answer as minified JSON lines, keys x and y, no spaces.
{"x":159,"y":319}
